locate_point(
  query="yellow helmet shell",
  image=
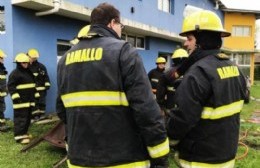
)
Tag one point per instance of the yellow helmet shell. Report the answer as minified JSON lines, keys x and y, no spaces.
{"x":180,"y":53}
{"x":82,"y":33}
{"x":22,"y":57}
{"x":160,"y":60}
{"x":203,"y":20}
{"x":2,"y":54}
{"x":33,"y":53}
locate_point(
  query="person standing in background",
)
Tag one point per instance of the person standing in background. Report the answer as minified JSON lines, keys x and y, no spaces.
{"x":42,"y":81}
{"x":3,"y":92}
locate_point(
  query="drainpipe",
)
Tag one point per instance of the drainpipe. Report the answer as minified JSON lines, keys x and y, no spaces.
{"x":56,"y":4}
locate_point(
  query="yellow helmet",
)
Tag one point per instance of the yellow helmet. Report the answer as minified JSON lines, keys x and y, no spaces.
{"x":33,"y":53}
{"x":160,"y":60}
{"x":203,"y":20}
{"x":21,"y":57}
{"x":180,"y":53}
{"x":2,"y":54}
{"x":82,"y":33}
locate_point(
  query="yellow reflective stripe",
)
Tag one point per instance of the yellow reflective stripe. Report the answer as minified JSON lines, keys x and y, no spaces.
{"x":170,"y":88}
{"x":222,"y":111}
{"x":159,"y":150}
{"x":2,"y":94}
{"x":95,"y":98}
{"x":2,"y":76}
{"x":47,"y":84}
{"x":35,"y":74}
{"x":23,"y":105}
{"x":36,"y":95}
{"x":2,"y":120}
{"x":25,"y":86}
{"x":187,"y":164}
{"x":154,"y":80}
{"x":40,"y":88}
{"x":20,"y":137}
{"x":141,"y":164}
{"x":15,"y":96}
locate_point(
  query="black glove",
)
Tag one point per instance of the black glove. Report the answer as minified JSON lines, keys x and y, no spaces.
{"x":161,"y":162}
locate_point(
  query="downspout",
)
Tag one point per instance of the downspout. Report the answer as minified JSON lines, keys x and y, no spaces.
{"x":56,"y":7}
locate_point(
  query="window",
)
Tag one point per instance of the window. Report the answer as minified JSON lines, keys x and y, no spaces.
{"x":2,"y":20}
{"x":241,"y":31}
{"x":241,"y":59}
{"x":164,"y":5}
{"x":136,"y":41}
{"x":62,"y":47}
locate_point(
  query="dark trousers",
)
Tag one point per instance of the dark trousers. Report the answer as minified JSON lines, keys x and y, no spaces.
{"x":41,"y":101}
{"x":22,"y":121}
{"x":2,"y":107}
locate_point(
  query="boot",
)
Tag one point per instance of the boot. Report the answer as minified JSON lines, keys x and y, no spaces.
{"x":4,"y":127}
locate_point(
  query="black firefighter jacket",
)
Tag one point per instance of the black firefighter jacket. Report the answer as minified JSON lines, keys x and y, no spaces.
{"x":21,"y":86}
{"x":210,"y":98}
{"x":41,"y":76}
{"x":105,"y":99}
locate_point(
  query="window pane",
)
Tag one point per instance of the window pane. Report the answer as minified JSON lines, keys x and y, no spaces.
{"x":166,"y":5}
{"x":62,"y":47}
{"x":2,"y":20}
{"x":123,"y":37}
{"x":247,"y":31}
{"x":140,"y":42}
{"x":131,"y":39}
{"x":160,"y":4}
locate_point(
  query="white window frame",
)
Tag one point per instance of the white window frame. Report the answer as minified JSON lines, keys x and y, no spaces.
{"x":164,"y":5}
{"x":242,"y":60}
{"x":241,"y":31}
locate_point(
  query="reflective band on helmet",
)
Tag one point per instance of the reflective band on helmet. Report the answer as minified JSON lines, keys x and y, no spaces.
{"x":25,"y":86}
{"x":142,"y":164}
{"x":222,"y":111}
{"x":95,"y":98}
{"x":187,"y":164}
{"x":159,"y":150}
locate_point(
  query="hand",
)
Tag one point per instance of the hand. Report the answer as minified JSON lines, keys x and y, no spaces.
{"x":161,"y":162}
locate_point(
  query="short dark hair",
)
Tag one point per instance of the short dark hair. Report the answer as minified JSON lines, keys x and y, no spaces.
{"x":104,"y":13}
{"x":208,"y":40}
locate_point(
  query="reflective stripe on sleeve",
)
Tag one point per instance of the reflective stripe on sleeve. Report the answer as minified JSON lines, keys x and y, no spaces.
{"x":2,"y":76}
{"x":222,"y":111}
{"x":25,"y":86}
{"x":186,"y":164}
{"x":47,"y":84}
{"x":95,"y":98}
{"x":15,"y":96}
{"x":169,"y":88}
{"x":40,"y":88}
{"x":23,"y":105}
{"x":3,"y":94}
{"x":159,"y":150}
{"x":141,"y":164}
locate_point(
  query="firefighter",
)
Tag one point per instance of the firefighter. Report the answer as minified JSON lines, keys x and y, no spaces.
{"x":42,"y":81}
{"x":166,"y":88}
{"x":21,"y":87}
{"x":155,"y":74}
{"x":104,"y":94}
{"x":3,"y":92}
{"x":205,"y":126}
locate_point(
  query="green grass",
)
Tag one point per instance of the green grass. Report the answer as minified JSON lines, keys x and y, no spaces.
{"x":45,"y":155}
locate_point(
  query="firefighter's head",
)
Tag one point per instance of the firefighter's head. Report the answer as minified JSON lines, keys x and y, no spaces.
{"x":33,"y":54}
{"x":22,"y":60}
{"x":107,"y":15}
{"x":206,"y":28}
{"x":179,"y":56}
{"x":2,"y":56}
{"x":82,"y":34}
{"x":160,"y":62}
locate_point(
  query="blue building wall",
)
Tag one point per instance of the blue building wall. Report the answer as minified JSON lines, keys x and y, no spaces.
{"x":24,"y":30}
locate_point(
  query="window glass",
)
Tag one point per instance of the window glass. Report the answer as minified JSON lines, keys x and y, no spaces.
{"x":2,"y":20}
{"x":164,"y":5}
{"x":131,"y":39}
{"x":140,"y":42}
{"x":241,"y":31}
{"x":62,"y":47}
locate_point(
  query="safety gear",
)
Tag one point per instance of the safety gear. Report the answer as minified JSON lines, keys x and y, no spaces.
{"x":180,"y":53}
{"x":160,"y":60}
{"x":82,"y":33}
{"x":33,"y":53}
{"x":154,"y":75}
{"x":194,"y":124}
{"x":161,"y":162}
{"x":2,"y":54}
{"x":139,"y":140}
{"x":22,"y":57}
{"x":203,"y":20}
